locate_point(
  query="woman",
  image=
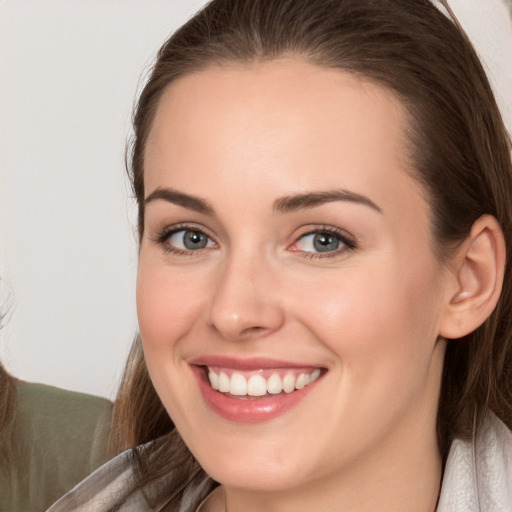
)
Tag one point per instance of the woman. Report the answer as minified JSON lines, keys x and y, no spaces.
{"x":323,"y":289}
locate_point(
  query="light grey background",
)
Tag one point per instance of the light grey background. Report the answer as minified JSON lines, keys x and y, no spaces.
{"x":69,"y":72}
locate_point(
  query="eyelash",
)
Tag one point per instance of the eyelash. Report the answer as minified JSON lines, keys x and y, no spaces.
{"x":163,"y":237}
{"x":348,"y":243}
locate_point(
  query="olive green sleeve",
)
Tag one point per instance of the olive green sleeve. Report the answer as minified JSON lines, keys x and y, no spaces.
{"x":59,"y":438}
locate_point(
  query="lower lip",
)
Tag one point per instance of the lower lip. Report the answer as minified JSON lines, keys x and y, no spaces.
{"x":249,"y":409}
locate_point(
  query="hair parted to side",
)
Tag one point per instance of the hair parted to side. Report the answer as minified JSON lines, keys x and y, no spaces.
{"x":461,"y":155}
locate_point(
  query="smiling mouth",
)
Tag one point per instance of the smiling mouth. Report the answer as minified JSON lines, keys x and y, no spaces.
{"x":253,"y":390}
{"x":261,"y":383}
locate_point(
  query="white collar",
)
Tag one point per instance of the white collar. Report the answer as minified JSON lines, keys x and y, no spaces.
{"x":478,"y":473}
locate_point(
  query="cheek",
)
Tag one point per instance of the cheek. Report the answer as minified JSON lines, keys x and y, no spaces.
{"x":380,"y":328}
{"x":168,"y":303}
{"x":373,"y":313}
{"x":168,"y":306}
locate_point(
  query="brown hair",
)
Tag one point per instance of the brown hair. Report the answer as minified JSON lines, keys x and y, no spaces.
{"x":8,"y":403}
{"x":461,"y":156}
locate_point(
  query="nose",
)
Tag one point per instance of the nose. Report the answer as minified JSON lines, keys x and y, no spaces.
{"x":245,"y":303}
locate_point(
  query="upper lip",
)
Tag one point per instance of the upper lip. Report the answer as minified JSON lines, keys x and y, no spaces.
{"x":249,"y":364}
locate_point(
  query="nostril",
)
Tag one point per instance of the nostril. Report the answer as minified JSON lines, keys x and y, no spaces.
{"x":255,"y":330}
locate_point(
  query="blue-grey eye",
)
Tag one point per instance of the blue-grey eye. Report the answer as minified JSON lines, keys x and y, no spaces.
{"x":190,"y":240}
{"x":319,"y":242}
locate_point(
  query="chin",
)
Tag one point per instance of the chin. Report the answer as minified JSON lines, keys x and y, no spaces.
{"x":257,"y":479}
{"x":256,"y":466}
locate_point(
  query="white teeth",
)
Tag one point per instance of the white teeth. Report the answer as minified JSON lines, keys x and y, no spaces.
{"x":289,"y":383}
{"x":238,"y":385}
{"x":256,"y":385}
{"x":274,"y":384}
{"x":301,"y":381}
{"x":214,"y":379}
{"x":223,"y":383}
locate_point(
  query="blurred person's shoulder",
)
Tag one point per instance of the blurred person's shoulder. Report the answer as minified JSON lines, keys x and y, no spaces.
{"x":59,"y":437}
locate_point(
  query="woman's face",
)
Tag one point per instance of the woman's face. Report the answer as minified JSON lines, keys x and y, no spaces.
{"x":287,"y":253}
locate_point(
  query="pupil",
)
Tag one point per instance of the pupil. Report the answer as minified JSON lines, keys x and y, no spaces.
{"x":324,"y":242}
{"x":194,"y":240}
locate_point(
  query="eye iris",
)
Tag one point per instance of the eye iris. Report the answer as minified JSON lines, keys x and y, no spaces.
{"x":194,"y":240}
{"x":324,"y":242}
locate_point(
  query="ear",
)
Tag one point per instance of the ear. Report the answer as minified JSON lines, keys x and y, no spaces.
{"x":477,"y":271}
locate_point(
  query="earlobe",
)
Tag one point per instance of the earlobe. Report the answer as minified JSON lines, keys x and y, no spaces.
{"x":478,"y":270}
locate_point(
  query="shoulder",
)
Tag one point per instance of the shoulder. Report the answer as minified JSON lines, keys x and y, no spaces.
{"x":478,"y":473}
{"x":58,"y":438}
{"x":43,"y":402}
{"x":116,"y":486}
{"x":103,"y":490}
{"x":54,"y":418}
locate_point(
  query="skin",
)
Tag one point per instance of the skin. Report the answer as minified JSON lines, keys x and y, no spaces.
{"x":240,"y":138}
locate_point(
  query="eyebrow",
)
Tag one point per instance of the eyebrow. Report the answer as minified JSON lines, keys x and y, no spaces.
{"x":180,"y":199}
{"x":313,"y":199}
{"x":282,"y":205}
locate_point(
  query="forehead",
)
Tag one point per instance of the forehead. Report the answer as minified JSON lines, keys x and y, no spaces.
{"x":286,"y":89}
{"x":287,"y":122}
